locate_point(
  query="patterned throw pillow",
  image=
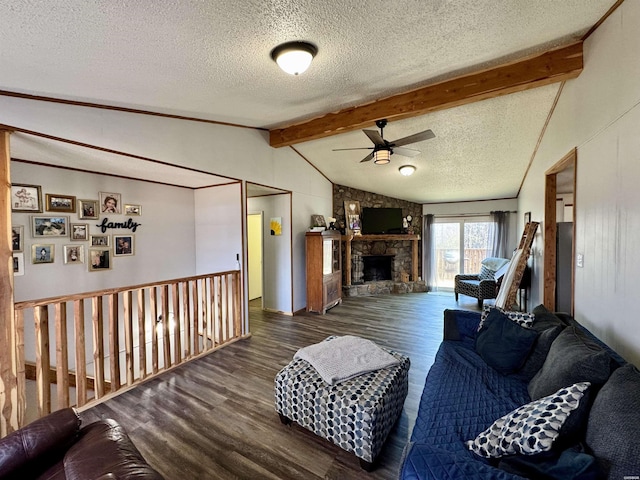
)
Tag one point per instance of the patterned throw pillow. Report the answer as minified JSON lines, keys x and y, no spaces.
{"x":523,"y":319}
{"x":486,"y":273}
{"x":529,"y":429}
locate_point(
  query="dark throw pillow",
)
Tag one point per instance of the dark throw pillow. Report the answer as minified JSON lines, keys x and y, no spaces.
{"x":539,"y":352}
{"x":572,"y":358}
{"x":614,"y":423}
{"x":504,"y":344}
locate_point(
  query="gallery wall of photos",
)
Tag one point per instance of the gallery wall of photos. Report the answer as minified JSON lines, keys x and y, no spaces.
{"x":58,"y":216}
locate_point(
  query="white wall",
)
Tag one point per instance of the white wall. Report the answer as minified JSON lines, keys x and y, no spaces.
{"x":164,"y":241}
{"x":599,"y":113}
{"x":235,"y":152}
{"x":218,"y":228}
{"x":277,"y":258}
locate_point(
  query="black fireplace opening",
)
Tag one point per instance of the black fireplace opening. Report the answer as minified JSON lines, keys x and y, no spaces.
{"x":377,"y":267}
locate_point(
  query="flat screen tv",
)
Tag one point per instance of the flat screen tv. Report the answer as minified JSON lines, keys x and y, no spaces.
{"x":381,"y":220}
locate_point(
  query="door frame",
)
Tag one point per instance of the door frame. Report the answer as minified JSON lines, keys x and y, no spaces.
{"x":551,"y":229}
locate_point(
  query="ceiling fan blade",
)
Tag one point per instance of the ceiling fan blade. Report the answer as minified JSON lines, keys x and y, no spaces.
{"x":406,"y":152}
{"x":359,"y":148}
{"x":416,"y":137}
{"x":375,"y":137}
{"x":367,"y":158}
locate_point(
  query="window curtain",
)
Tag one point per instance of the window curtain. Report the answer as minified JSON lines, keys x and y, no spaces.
{"x":500,"y":234}
{"x":428,"y":253}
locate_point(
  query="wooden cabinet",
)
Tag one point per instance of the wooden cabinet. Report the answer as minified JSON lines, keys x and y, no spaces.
{"x":324,"y":270}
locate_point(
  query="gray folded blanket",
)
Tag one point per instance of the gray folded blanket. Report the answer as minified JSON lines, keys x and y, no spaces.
{"x":342,"y":358}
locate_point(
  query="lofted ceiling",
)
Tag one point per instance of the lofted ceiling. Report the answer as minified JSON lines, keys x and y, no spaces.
{"x":210,"y":60}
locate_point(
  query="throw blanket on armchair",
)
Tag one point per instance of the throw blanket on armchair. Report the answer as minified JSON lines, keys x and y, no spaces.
{"x":338,"y":359}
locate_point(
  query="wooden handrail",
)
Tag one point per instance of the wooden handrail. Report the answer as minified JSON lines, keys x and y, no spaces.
{"x":176,"y":321}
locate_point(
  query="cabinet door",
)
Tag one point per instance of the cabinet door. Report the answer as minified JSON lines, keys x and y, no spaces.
{"x":327,"y":257}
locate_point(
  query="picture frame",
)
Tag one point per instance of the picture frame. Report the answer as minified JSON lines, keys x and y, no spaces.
{"x":99,"y":259}
{"x":17,"y":238}
{"x":123,"y":245}
{"x":79,"y":232}
{"x":18,"y":264}
{"x":88,"y":209}
{"x":527,"y":218}
{"x":42,"y":253}
{"x":73,"y":254}
{"x":133,"y":210}
{"x":60,"y":203}
{"x":100,"y":240}
{"x":26,"y":198}
{"x":51,"y":226}
{"x":110,"y":203}
{"x":352,"y":218}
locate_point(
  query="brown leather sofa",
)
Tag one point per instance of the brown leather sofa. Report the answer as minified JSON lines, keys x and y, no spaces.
{"x":56,"y":447}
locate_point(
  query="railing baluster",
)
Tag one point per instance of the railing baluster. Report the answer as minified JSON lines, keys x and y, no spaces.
{"x":177,"y":324}
{"x":206,"y":312}
{"x":62,"y":355}
{"x":81,"y":353}
{"x":196,"y":318}
{"x":21,"y":377}
{"x":237,"y":294}
{"x":153,"y":303}
{"x":98,"y":345}
{"x":142,"y":341}
{"x":114,"y":342}
{"x":43,"y":363}
{"x":215,"y":310}
{"x":188,"y":351}
{"x":166,"y":339}
{"x":127,"y":298}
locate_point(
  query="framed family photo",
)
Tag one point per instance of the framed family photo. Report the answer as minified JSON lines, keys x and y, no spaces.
{"x":79,"y":231}
{"x":133,"y":210}
{"x":352,"y":218}
{"x":110,"y":202}
{"x":122,"y":245}
{"x":18,"y":264}
{"x":99,"y":240}
{"x":73,"y":254}
{"x":17,"y":238}
{"x":88,"y":209}
{"x":60,"y":203}
{"x":42,"y":253}
{"x":26,"y":198}
{"x":50,"y":226}
{"x":99,"y":259}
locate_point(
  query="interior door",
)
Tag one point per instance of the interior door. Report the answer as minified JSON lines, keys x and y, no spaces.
{"x":254,"y":253}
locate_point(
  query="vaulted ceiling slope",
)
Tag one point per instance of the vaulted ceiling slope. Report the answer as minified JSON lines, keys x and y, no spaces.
{"x":211,"y":60}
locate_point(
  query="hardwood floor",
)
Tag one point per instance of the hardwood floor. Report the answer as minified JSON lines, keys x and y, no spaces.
{"x":214,"y":418}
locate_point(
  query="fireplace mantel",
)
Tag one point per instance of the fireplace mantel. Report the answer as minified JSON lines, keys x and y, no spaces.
{"x":381,"y":238}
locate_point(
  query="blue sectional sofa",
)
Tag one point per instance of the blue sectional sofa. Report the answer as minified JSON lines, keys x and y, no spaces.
{"x":463,"y":396}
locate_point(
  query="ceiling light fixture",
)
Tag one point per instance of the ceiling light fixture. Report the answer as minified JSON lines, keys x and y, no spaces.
{"x":381,"y":157}
{"x":407,"y":170}
{"x":294,"y":57}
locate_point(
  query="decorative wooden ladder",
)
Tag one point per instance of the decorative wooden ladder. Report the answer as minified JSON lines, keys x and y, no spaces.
{"x":525,"y":245}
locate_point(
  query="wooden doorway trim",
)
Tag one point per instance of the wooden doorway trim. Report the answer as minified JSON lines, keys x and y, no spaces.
{"x":551,"y":228}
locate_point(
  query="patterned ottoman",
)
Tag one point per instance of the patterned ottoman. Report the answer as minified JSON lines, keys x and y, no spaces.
{"x":356,"y":415}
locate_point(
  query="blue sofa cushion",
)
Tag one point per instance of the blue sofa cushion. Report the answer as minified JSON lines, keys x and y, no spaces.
{"x":530,"y":429}
{"x":539,"y":352}
{"x":615,"y":409}
{"x":504,"y":344}
{"x":572,"y":358}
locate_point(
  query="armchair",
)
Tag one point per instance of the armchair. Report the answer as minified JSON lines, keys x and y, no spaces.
{"x":480,"y":285}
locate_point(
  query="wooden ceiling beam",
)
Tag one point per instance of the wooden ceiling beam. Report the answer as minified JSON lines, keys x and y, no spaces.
{"x":552,"y":66}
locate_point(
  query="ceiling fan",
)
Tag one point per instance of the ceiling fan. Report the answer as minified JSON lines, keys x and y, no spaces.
{"x":383,"y":149}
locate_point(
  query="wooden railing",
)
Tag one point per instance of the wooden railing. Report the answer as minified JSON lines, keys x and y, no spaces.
{"x":133,"y":333}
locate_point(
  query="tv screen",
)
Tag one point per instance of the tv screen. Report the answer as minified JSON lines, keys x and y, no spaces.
{"x":381,"y":220}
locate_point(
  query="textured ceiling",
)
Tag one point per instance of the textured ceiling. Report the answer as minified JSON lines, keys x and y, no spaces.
{"x":210,"y":59}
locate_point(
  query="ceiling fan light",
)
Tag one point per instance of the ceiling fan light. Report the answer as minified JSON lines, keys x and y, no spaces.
{"x":294,"y":57}
{"x":381,"y":157}
{"x":407,"y":170}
